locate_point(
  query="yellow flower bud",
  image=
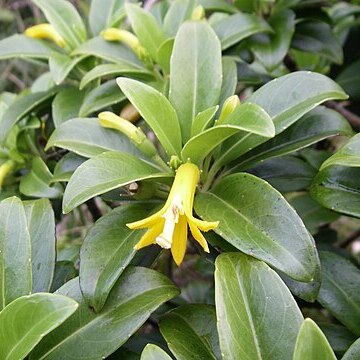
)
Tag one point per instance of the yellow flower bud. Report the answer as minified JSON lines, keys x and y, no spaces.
{"x":198,"y":13}
{"x":45,"y":31}
{"x":229,"y":106}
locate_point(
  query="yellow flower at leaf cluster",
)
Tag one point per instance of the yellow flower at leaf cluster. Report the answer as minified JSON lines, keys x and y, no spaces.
{"x":45,"y":31}
{"x":169,"y":226}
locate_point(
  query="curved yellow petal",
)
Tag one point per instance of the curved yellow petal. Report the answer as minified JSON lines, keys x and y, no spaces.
{"x":148,"y":221}
{"x":178,"y":247}
{"x":203,"y":225}
{"x":198,"y":236}
{"x":150,"y":236}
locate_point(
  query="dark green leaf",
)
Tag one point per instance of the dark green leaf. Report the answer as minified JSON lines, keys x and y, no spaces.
{"x":339,"y":292}
{"x":353,"y":352}
{"x":135,"y":296}
{"x":66,"y":166}
{"x":339,"y":337}
{"x":41,"y":226}
{"x":349,"y":79}
{"x":103,"y":173}
{"x":251,"y":300}
{"x":257,"y":220}
{"x":190,"y":332}
{"x":15,"y":252}
{"x":25,"y":321}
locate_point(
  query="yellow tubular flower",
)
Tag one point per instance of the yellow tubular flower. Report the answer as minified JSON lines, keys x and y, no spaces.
{"x":45,"y":31}
{"x":169,"y":226}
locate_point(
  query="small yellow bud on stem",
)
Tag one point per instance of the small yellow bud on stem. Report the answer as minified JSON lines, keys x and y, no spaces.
{"x":45,"y":31}
{"x":198,"y":13}
{"x":229,"y":106}
{"x":5,"y":170}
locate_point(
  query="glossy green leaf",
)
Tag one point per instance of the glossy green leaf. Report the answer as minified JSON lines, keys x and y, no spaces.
{"x":315,"y":126}
{"x":138,"y":292}
{"x":348,"y":155}
{"x":339,"y":337}
{"x":60,"y":14}
{"x":22,"y":107}
{"x":103,"y":173}
{"x":353,"y":353}
{"x":179,"y":11}
{"x":244,"y":120}
{"x":108,"y":50}
{"x":317,"y":37}
{"x":195,"y":77}
{"x":66,"y":166}
{"x":270,"y":49}
{"x":41,"y":226}
{"x":338,"y":188}
{"x":44,"y":82}
{"x":61,"y":65}
{"x":251,"y":300}
{"x":66,"y":105}
{"x":153,"y":352}
{"x":157,"y":111}
{"x":104,"y":14}
{"x":86,"y":137}
{"x":218,"y":5}
{"x":25,"y":321}
{"x":107,"y":249}
{"x":37,"y":183}
{"x":114,"y":70}
{"x":312,"y":343}
{"x":339,"y":292}
{"x":257,"y":220}
{"x":101,"y":97}
{"x":237,"y":27}
{"x":21,"y":46}
{"x":291,"y":96}
{"x":15,"y":252}
{"x":64,"y":272}
{"x":190,"y":332}
{"x":164,"y":54}
{"x":285,"y":174}
{"x":146,"y":28}
{"x":203,"y":120}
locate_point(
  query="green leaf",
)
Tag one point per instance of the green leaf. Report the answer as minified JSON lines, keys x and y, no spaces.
{"x":66,"y":105}
{"x":348,"y":155}
{"x":44,"y":82}
{"x":312,"y":214}
{"x":61,"y":14}
{"x":315,"y":126}
{"x":258,"y":124}
{"x":257,"y":220}
{"x":86,"y":137}
{"x":317,"y":37}
{"x":22,"y":107}
{"x":107,"y":249}
{"x":109,"y":51}
{"x":153,"y":352}
{"x":101,"y":97}
{"x":135,"y":296}
{"x":25,"y":321}
{"x":291,"y":96}
{"x":61,"y":65}
{"x":251,"y":300}
{"x":164,"y":54}
{"x":37,"y":182}
{"x":349,"y":79}
{"x":146,"y":28}
{"x":353,"y":352}
{"x":218,"y":5}
{"x":104,"y":14}
{"x":15,"y":252}
{"x":339,"y":337}
{"x":195,"y":76}
{"x":237,"y":27}
{"x":244,"y":120}
{"x":157,"y":111}
{"x":285,"y":174}
{"x":312,"y":343}
{"x":203,"y":120}
{"x":114,"y":70}
{"x":65,"y":167}
{"x":103,"y":173}
{"x":338,"y":188}
{"x":339,"y":292}
{"x":270,"y":49}
{"x":41,"y":226}
{"x":229,"y":80}
{"x":190,"y":332}
{"x":21,"y":46}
